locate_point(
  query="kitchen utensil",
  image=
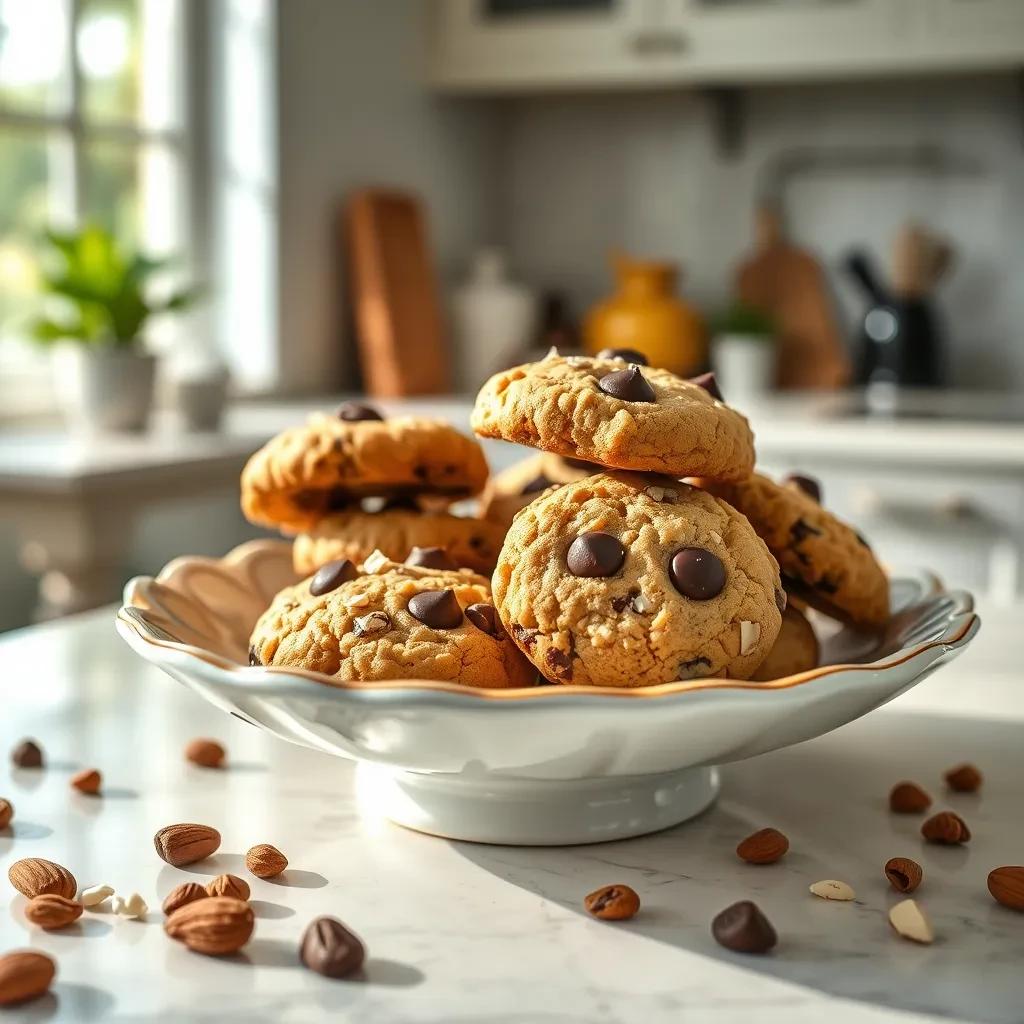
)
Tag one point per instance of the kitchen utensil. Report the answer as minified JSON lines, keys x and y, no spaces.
{"x":398,"y":317}
{"x":548,"y":765}
{"x":789,"y":284}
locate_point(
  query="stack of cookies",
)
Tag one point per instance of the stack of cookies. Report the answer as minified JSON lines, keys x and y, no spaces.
{"x":664,"y":566}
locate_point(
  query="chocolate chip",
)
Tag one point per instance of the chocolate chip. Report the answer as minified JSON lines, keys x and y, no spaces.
{"x":595,"y":554}
{"x":430,"y":558}
{"x":781,"y":600}
{"x":485,"y":618}
{"x":801,"y":530}
{"x":355,"y":412}
{"x":524,"y":637}
{"x":438,"y":609}
{"x":826,"y":585}
{"x":708,"y":382}
{"x":744,"y":929}
{"x":807,"y":484}
{"x":631,"y":355}
{"x":538,"y":483}
{"x":331,"y":576}
{"x":477,"y":543}
{"x":628,"y":385}
{"x":559,"y":663}
{"x":697,"y":573}
{"x":27,"y":754}
{"x":621,"y":603}
{"x":329,"y":948}
{"x":254,"y":658}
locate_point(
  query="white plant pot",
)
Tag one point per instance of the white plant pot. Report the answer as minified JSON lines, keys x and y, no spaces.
{"x":744,"y":365}
{"x":104,"y":390}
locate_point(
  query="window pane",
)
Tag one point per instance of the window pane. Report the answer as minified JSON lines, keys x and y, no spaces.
{"x":33,"y":55}
{"x":108,"y":43}
{"x":110,"y":189}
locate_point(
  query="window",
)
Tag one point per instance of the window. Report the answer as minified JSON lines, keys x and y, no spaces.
{"x":92,"y":128}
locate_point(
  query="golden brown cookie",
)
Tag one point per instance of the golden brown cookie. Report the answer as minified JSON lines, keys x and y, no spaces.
{"x":629,"y":580}
{"x":388,"y":621}
{"x":514,"y":488}
{"x":306,"y":472}
{"x":616,"y":414}
{"x":795,"y":650}
{"x":829,"y":563}
{"x":354,"y":534}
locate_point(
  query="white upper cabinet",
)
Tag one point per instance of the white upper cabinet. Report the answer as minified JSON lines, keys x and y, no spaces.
{"x":518,"y":45}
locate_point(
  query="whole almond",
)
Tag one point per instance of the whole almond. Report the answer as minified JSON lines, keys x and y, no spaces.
{"x":903,"y":873}
{"x":265,"y":861}
{"x":910,"y":922}
{"x":229,"y":885}
{"x":216,"y":926}
{"x":1007,"y":886}
{"x":946,"y":828}
{"x":186,"y":843}
{"x":34,"y":876}
{"x":613,"y":902}
{"x":908,"y":798}
{"x":6,"y":812}
{"x":964,"y":778}
{"x":24,"y":974}
{"x":181,"y":895}
{"x":205,"y":753}
{"x":51,"y":911}
{"x":764,"y":847}
{"x":88,"y":781}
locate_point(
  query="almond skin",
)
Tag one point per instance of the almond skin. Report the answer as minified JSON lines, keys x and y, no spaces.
{"x":946,"y":828}
{"x":88,"y":782}
{"x":265,"y":861}
{"x":1007,"y":886}
{"x":24,"y":974}
{"x":34,"y":876}
{"x":6,"y":812}
{"x":51,"y":911}
{"x":764,"y":847}
{"x":964,"y":778}
{"x":186,"y":843}
{"x":205,"y":753}
{"x":216,"y":926}
{"x":903,"y":873}
{"x":229,"y":885}
{"x":908,"y":798}
{"x":181,"y":895}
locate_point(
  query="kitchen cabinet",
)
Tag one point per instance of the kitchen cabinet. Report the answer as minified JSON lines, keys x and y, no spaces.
{"x":516,"y":46}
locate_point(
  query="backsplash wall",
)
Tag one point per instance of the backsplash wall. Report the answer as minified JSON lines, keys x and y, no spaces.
{"x":581,"y":175}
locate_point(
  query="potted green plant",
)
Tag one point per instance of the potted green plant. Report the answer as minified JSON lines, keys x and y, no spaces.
{"x":743,"y":352}
{"x":97,"y":308}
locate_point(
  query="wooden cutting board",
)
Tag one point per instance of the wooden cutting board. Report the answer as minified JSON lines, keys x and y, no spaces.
{"x":789,"y":284}
{"x":396,"y":303}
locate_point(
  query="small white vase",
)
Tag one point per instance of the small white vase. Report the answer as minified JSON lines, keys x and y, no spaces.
{"x":745,"y":366}
{"x":104,"y":389}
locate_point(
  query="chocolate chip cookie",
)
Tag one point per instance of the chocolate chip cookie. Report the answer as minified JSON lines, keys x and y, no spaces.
{"x":825,"y":561}
{"x":306,"y":472}
{"x":796,"y":648}
{"x":384,"y":620}
{"x":621,"y":415}
{"x":628,"y":580}
{"x":354,"y":534}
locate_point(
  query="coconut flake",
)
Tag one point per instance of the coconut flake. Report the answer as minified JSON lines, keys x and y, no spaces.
{"x":750,"y":634}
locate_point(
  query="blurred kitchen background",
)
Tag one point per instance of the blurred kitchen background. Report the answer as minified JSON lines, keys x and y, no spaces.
{"x":218,"y":215}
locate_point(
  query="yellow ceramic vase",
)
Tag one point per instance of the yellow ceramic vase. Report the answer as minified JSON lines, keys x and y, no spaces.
{"x":646,"y":314}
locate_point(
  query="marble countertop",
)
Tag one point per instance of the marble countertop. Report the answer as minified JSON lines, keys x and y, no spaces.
{"x":464,"y":932}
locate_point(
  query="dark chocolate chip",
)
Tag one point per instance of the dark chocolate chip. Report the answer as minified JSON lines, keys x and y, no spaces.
{"x":27,"y":754}
{"x":331,"y":576}
{"x":595,"y":554}
{"x":621,"y":603}
{"x":695,"y":668}
{"x":631,"y":355}
{"x":781,"y":600}
{"x":628,"y":385}
{"x":697,"y":573}
{"x":430,"y":558}
{"x":744,"y":929}
{"x":329,"y":948}
{"x":438,"y":609}
{"x":485,"y":618}
{"x":524,"y":637}
{"x":801,"y":530}
{"x":826,"y":585}
{"x":559,"y":663}
{"x":807,"y":484}
{"x":254,"y":658}
{"x":355,"y":412}
{"x":708,"y":382}
{"x":538,"y":483}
